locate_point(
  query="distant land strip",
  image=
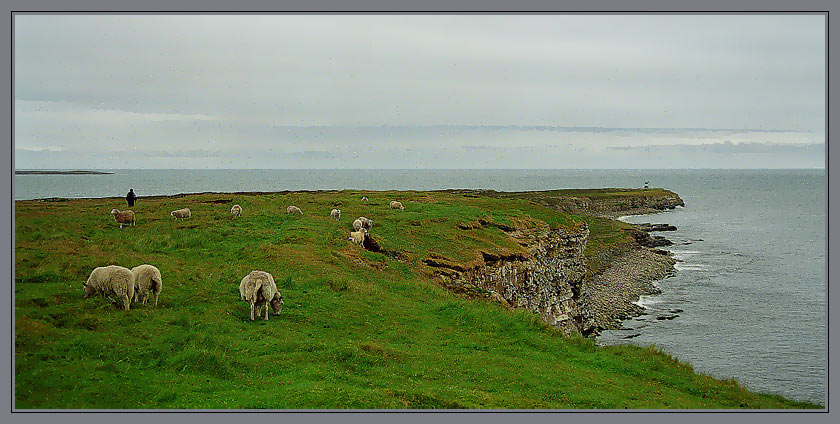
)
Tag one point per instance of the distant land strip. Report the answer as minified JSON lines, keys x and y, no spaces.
{"x":61,"y":173}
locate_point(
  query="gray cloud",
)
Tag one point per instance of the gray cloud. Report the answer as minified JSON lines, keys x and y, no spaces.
{"x":730,"y":147}
{"x":226,"y":91}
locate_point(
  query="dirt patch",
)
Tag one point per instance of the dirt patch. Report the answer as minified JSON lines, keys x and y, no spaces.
{"x":372,"y":245}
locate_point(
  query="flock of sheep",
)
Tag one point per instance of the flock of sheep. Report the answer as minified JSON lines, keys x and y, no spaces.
{"x":257,"y":288}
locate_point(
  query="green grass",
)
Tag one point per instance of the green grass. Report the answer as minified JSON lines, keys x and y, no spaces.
{"x":359,"y":329}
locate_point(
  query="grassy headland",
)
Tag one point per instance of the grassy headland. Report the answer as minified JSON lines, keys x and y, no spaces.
{"x":359,"y":329}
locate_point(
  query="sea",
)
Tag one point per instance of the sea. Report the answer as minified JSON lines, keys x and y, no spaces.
{"x":748,"y":300}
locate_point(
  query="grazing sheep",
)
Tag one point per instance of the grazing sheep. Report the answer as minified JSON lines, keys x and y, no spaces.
{"x":256,"y":288}
{"x":362,"y":222}
{"x":111,"y":279}
{"x":146,"y":278}
{"x":124,"y":217}
{"x":181,"y":213}
{"x":335,"y":214}
{"x":364,"y":199}
{"x":236,"y":210}
{"x":291,"y":209}
{"x":397,"y":205}
{"x":357,"y":237}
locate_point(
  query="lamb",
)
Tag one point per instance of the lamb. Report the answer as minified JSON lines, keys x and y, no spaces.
{"x":357,"y":237}
{"x":124,"y":217}
{"x":291,"y":209}
{"x":236,"y":210}
{"x":397,"y":205}
{"x":335,"y":214}
{"x":146,"y":278}
{"x":111,"y":279}
{"x":256,"y":288}
{"x":181,"y":213}
{"x":363,"y":222}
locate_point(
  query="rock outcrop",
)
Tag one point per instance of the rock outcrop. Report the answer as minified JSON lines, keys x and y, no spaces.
{"x":546,"y":280}
{"x":648,"y":227}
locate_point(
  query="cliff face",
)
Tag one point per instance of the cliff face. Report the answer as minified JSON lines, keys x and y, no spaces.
{"x":547,"y":280}
{"x":552,"y":277}
{"x":616,"y":206}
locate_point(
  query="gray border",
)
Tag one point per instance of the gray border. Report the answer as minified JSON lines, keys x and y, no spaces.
{"x":431,"y":7}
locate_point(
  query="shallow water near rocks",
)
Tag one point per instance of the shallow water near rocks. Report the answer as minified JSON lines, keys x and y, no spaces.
{"x":752,"y":292}
{"x":751,"y":287}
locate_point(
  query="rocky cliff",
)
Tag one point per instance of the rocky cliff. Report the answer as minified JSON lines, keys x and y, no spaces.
{"x":546,"y":280}
{"x":553,"y":277}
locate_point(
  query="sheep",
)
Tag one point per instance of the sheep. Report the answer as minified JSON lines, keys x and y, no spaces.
{"x":291,"y":209}
{"x":361,"y":223}
{"x":357,"y":237}
{"x":364,"y":199}
{"x":124,"y":217}
{"x":256,"y":288}
{"x":146,"y":278}
{"x":181,"y":213}
{"x":397,"y":205}
{"x":111,"y":279}
{"x":236,"y":210}
{"x":335,"y":214}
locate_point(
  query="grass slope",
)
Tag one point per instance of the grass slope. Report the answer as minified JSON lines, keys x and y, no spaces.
{"x":359,"y":329}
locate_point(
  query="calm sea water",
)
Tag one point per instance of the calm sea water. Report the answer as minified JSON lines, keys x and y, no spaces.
{"x":751,"y":284}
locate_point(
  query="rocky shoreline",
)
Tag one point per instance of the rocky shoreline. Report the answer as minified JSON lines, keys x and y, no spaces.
{"x":609,"y":297}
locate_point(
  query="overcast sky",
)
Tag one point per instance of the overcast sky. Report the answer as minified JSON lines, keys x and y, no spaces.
{"x":390,"y":91}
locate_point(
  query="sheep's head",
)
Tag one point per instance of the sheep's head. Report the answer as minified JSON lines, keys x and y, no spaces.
{"x":89,"y":291}
{"x":277,"y":303}
{"x":402,"y":208}
{"x":114,"y":211}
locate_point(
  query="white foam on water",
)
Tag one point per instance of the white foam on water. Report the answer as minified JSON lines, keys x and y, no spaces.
{"x":681,"y":266}
{"x":647,"y":300}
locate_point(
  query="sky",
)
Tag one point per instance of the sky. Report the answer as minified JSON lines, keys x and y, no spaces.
{"x":419,"y":91}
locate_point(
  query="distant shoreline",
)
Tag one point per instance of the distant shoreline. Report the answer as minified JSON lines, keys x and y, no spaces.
{"x":62,"y":173}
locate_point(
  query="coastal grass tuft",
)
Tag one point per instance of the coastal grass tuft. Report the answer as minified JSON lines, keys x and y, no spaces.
{"x":359,"y":329}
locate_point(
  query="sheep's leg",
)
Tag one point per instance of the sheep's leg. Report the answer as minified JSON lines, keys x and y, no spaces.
{"x":156,"y":296}
{"x":266,"y":311}
{"x":126,"y":301}
{"x":252,"y":312}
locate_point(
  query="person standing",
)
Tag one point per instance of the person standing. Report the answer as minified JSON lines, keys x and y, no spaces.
{"x":130,"y":197}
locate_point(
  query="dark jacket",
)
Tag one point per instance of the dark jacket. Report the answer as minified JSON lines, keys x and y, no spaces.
{"x":130,"y":197}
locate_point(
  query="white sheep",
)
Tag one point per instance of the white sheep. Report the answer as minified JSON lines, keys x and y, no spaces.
{"x":124,"y":217}
{"x":146,"y":278}
{"x":111,"y":279}
{"x":362,"y":222}
{"x":364,"y":199}
{"x":357,"y":237}
{"x":256,"y":288}
{"x":291,"y":209}
{"x":236,"y":210}
{"x":335,"y":214}
{"x":181,"y":213}
{"x":397,"y":205}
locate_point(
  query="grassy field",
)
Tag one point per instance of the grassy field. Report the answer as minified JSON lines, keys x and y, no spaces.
{"x":359,"y":329}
